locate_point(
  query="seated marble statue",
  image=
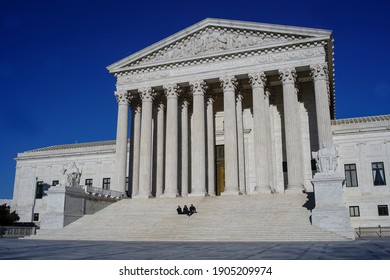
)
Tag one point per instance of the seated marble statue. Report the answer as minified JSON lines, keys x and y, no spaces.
{"x":70,"y":175}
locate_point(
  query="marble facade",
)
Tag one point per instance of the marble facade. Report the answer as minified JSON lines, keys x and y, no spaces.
{"x":224,"y":108}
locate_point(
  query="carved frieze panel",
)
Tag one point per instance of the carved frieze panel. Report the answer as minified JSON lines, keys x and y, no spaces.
{"x":212,"y":40}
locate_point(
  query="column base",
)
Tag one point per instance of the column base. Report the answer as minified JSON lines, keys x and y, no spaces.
{"x":171,"y":195}
{"x":143,"y":196}
{"x":262,"y":190}
{"x":227,"y":193}
{"x":197,"y":194}
{"x":294,"y":189}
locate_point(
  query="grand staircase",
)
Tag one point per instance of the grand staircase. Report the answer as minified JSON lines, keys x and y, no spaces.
{"x":270,"y":217}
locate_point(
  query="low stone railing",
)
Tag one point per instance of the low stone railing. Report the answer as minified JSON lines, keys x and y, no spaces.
{"x":372,"y":232}
{"x":15,"y":231}
{"x":102,"y":192}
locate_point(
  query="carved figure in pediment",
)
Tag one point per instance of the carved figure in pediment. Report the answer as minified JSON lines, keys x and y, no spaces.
{"x":198,"y":44}
{"x":222,"y":40}
{"x":236,"y":41}
{"x":210,"y":41}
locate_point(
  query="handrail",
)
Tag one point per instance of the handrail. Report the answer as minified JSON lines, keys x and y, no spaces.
{"x":372,"y":232}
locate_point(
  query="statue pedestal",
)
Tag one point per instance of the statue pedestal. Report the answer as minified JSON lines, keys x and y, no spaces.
{"x":330,"y":212}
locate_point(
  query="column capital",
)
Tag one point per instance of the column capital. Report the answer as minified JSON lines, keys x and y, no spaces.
{"x":172,"y":91}
{"x":147,"y":94}
{"x":319,"y":71}
{"x":229,"y":82}
{"x":257,"y":79}
{"x":123,"y":97}
{"x":198,"y":87}
{"x":288,"y":75}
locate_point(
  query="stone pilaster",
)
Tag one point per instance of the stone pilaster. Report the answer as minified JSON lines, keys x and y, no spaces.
{"x":136,"y":139}
{"x":184,"y":148}
{"x":172,"y":141}
{"x":240,"y":143}
{"x":145,"y":180}
{"x":292,"y":130}
{"x":210,"y":147}
{"x":160,"y":150}
{"x":319,"y":73}
{"x":229,"y":85}
{"x":198,"y":146}
{"x":122,"y":98}
{"x":261,"y":134}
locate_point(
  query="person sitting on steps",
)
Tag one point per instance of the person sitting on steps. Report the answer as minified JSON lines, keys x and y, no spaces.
{"x":192,"y":209}
{"x":178,"y":210}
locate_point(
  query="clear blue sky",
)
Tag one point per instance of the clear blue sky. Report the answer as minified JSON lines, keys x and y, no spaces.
{"x":55,"y":88}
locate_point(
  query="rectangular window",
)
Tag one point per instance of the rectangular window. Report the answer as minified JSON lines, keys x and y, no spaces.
{"x":350,"y":175}
{"x":89,"y":182}
{"x":106,"y":183}
{"x":378,"y":173}
{"x":127,"y":184}
{"x":36,"y":217}
{"x":39,"y":190}
{"x":383,"y":210}
{"x":55,"y":182}
{"x":354,"y":211}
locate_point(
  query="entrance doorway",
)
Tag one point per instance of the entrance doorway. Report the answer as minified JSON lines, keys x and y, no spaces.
{"x":220,"y":169}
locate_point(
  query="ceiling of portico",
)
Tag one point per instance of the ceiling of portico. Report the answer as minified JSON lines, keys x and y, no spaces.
{"x":213,"y":37}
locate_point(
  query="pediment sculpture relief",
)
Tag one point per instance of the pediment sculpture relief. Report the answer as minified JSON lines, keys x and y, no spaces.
{"x":213,"y":40}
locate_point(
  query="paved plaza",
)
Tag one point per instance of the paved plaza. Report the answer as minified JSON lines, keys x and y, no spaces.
{"x":23,"y":249}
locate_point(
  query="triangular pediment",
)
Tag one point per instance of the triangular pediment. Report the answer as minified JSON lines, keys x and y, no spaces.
{"x":212,"y":37}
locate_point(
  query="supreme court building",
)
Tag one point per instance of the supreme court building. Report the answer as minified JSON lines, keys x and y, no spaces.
{"x":227,"y":108}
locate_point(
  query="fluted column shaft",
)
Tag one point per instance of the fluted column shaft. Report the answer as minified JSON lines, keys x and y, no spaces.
{"x":121,"y":140}
{"x":292,"y":130}
{"x":270,"y":147}
{"x":160,"y":150}
{"x":199,"y":139}
{"x":230,"y":135}
{"x":145,"y":180}
{"x":172,"y":141}
{"x":210,"y":147}
{"x":258,"y":81}
{"x":240,"y":143}
{"x":136,"y":137}
{"x":184,"y":148}
{"x":319,"y":73}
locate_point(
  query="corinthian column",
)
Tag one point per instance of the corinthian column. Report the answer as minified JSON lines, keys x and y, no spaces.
{"x":198,"y":146}
{"x":136,"y":137}
{"x":184,"y":148}
{"x":210,"y":147}
{"x":160,"y":150}
{"x":172,"y":143}
{"x":230,"y":135}
{"x":240,"y":142}
{"x":260,"y":119}
{"x":319,"y":73}
{"x":145,"y":180}
{"x":122,"y":98}
{"x":292,"y":130}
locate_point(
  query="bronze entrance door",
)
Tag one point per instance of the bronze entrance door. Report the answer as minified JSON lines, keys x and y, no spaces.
{"x":220,"y":169}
